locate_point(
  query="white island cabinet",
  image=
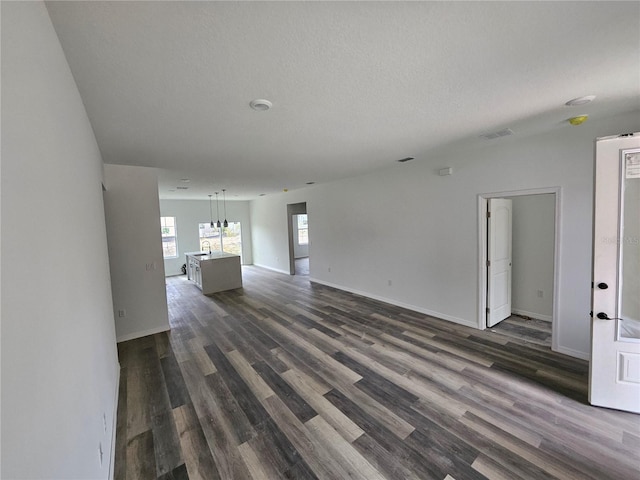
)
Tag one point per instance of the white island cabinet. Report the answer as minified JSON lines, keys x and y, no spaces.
{"x":214,"y":272}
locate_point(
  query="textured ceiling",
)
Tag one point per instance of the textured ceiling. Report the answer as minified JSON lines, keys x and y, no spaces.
{"x":354,"y":85}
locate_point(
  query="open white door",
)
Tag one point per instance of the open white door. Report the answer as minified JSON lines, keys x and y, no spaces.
{"x":498,"y":260}
{"x":614,"y":371}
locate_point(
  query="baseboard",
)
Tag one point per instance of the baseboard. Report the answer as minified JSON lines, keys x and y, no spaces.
{"x":431,"y":313}
{"x":537,"y":316}
{"x":573,"y":353}
{"x":144,"y":333}
{"x":266,"y":267}
{"x":114,"y":416}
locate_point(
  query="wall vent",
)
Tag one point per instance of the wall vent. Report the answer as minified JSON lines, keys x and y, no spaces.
{"x":502,"y":133}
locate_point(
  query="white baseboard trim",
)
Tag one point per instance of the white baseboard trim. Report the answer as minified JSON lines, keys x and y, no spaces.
{"x":266,"y":267}
{"x":537,"y":316}
{"x":431,"y":313}
{"x":573,"y":353}
{"x":144,"y":333}
{"x":114,"y":416}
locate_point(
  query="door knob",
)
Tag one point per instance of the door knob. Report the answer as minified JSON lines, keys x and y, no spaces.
{"x":602,"y":316}
{"x":603,"y":286}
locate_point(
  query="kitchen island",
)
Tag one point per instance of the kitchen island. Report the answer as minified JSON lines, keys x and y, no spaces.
{"x":214,"y":272}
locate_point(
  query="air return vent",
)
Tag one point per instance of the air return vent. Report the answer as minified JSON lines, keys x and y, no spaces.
{"x":502,"y":133}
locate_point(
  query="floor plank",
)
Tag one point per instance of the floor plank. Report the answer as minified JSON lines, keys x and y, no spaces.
{"x":289,"y":379}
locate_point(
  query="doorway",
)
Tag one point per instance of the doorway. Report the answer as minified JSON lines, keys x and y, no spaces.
{"x":530,"y":292}
{"x":298,"y":225}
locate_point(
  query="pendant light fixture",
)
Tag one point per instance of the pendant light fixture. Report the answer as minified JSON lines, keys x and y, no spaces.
{"x":210,"y":210}
{"x":224,"y":199}
{"x":218,"y":210}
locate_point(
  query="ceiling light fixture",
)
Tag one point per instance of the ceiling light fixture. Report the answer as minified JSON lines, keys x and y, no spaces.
{"x":224,"y":196}
{"x":260,"y":104}
{"x":580,"y":101}
{"x":210,"y":211}
{"x":218,"y":211}
{"x":579,"y":120}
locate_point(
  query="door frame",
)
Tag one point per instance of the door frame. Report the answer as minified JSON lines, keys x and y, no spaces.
{"x":298,"y":208}
{"x":482,"y":253}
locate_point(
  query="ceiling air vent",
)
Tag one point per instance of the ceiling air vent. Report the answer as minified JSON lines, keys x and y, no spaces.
{"x":408,"y":159}
{"x":502,"y":133}
{"x":182,"y":188}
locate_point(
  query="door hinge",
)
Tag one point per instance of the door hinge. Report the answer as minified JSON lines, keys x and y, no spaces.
{"x":488,"y":214}
{"x":488,"y":310}
{"x":488,"y":263}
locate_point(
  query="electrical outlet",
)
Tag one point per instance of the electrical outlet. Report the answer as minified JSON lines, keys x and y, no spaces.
{"x":540,"y":294}
{"x":122,"y":313}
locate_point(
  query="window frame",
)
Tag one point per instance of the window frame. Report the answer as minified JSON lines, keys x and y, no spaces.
{"x":163,"y":226}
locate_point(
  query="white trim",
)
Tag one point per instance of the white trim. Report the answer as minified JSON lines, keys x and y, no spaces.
{"x":112,"y":457}
{"x":143,"y":333}
{"x":271,"y":268}
{"x":573,"y":353}
{"x":442,"y":316}
{"x":482,"y":256}
{"x":537,"y":316}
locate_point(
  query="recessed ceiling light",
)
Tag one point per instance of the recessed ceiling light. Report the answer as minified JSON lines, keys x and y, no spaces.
{"x":261,"y":104}
{"x":580,"y":101}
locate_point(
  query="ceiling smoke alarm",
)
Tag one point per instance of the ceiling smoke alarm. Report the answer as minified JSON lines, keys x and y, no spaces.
{"x":261,"y":104}
{"x":580,"y":101}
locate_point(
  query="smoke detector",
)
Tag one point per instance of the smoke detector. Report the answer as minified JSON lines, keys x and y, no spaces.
{"x":580,"y":101}
{"x":260,"y":104}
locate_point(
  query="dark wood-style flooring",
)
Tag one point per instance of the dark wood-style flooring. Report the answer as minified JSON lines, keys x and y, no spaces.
{"x":288,"y":379}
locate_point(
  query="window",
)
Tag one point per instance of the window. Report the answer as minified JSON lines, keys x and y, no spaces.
{"x":303,"y":230}
{"x":229,"y":242}
{"x":169,"y":240}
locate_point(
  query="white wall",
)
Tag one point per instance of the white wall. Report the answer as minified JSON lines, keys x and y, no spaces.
{"x":189,"y":214}
{"x":533,"y":255}
{"x":59,"y":360}
{"x":428,"y":247}
{"x":135,"y":251}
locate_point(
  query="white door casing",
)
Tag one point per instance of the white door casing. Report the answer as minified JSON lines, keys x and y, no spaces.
{"x":499,"y":258}
{"x":614,"y":370}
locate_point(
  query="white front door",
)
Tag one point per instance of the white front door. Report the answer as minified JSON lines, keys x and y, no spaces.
{"x":498,"y":260}
{"x":614,"y":373}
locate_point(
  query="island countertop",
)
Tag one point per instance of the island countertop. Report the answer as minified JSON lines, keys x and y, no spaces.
{"x":210,"y":256}
{"x":214,"y":272}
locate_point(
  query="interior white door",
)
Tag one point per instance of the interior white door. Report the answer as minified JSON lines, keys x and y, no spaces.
{"x":614,"y":370}
{"x":498,"y":260}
